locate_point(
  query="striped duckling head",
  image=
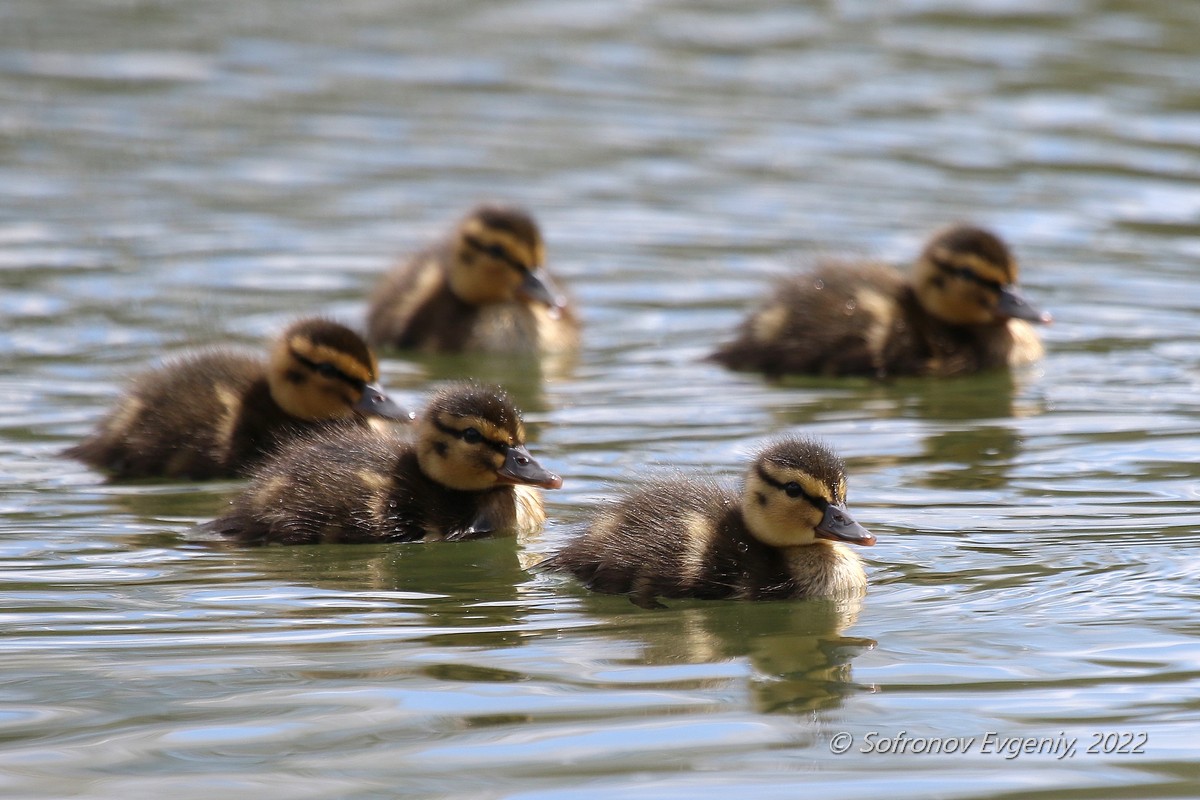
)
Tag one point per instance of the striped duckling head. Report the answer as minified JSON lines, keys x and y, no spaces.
{"x":795,"y":495}
{"x":322,"y":370}
{"x":968,"y":276}
{"x":472,"y":438}
{"x":498,"y":257}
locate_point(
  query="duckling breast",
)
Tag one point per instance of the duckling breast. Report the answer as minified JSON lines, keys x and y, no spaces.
{"x":1025,"y":346}
{"x":825,"y":569}
{"x":518,"y":327}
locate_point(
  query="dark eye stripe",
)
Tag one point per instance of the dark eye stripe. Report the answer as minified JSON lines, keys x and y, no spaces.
{"x":329,"y":370}
{"x":819,"y":502}
{"x":499,"y":447}
{"x":497,"y":251}
{"x":968,"y":274}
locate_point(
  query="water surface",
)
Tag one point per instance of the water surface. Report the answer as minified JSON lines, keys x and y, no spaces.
{"x":179,"y":174}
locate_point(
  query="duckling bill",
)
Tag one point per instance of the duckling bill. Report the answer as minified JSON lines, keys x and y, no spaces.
{"x":961,"y":312}
{"x":782,"y":537}
{"x":483,"y":289}
{"x":467,"y":474}
{"x":216,"y":414}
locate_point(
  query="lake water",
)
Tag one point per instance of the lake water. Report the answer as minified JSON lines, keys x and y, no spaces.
{"x":174,"y":174}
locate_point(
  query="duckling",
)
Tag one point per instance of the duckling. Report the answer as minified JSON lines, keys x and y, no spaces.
{"x":458,"y":478}
{"x":961,"y":313}
{"x":681,"y":537}
{"x":482,"y":289}
{"x":215,"y":414}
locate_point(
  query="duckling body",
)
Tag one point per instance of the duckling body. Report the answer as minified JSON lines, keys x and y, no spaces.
{"x":482,"y":289}
{"x":465,"y":475}
{"x":960,"y":313}
{"x":215,"y":414}
{"x":779,"y":539}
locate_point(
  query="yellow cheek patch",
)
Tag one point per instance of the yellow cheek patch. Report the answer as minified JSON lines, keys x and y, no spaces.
{"x":483,"y":279}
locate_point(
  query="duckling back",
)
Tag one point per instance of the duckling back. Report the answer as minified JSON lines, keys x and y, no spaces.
{"x":206,"y":416}
{"x":365,"y":485}
{"x":685,"y":538}
{"x":218,"y":413}
{"x":413,"y":308}
{"x":840,"y":319}
{"x":328,"y":487}
{"x":457,"y":478}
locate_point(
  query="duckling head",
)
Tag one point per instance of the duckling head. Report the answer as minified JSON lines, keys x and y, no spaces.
{"x":498,"y":258}
{"x":472,"y":438}
{"x":322,"y":370}
{"x":967,"y":276}
{"x":795,"y":494}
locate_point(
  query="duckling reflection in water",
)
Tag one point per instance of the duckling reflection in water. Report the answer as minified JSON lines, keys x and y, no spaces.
{"x":216,"y":414}
{"x":780,"y":539}
{"x":466,"y":475}
{"x":960,"y":313}
{"x":482,"y":289}
{"x":799,"y":655}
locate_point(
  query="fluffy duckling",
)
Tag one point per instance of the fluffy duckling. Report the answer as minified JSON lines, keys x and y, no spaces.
{"x":780,"y":539}
{"x":960,"y":313}
{"x":457,"y":479}
{"x":482,"y":289}
{"x":217,"y":413}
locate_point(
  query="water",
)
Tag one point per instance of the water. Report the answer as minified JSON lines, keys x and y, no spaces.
{"x":176,"y":174}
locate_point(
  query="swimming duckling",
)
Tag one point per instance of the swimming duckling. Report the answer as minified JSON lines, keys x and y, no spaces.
{"x":215,"y":414}
{"x":482,"y":289}
{"x":961,"y":313}
{"x":780,"y":539}
{"x":459,"y":479}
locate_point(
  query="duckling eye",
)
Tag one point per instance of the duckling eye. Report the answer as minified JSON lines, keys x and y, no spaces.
{"x":472,"y":436}
{"x":328,"y":370}
{"x":793,"y":489}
